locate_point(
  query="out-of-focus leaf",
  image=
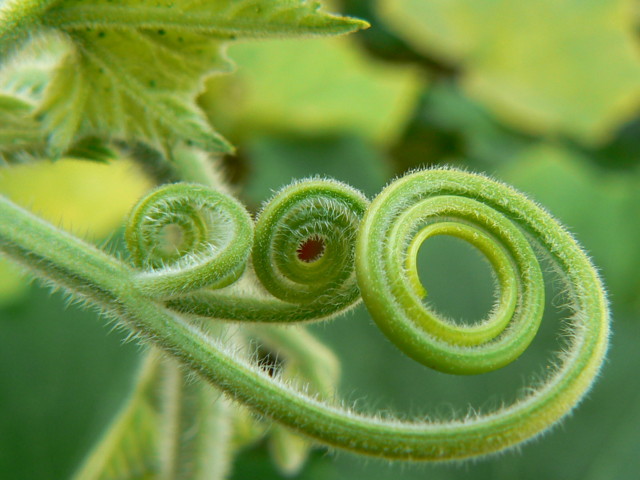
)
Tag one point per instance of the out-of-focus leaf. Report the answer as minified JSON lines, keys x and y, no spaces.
{"x":13,"y":287}
{"x":484,"y":137}
{"x":89,"y":199}
{"x":621,"y":153}
{"x":63,"y":375}
{"x":129,"y":448}
{"x":449,"y":127}
{"x":316,"y":86}
{"x":383,"y":43}
{"x":171,"y":426}
{"x":544,"y":66}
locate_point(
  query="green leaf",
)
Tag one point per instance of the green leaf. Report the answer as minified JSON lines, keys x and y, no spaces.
{"x":276,"y":160}
{"x":449,"y":127}
{"x":133,"y":69}
{"x":130,"y":445}
{"x":315,"y":86}
{"x":544,"y":66}
{"x":171,"y":426}
{"x":22,"y":83}
{"x":20,"y":134}
{"x":13,"y":285}
{"x":195,"y":428}
{"x":132,"y":84}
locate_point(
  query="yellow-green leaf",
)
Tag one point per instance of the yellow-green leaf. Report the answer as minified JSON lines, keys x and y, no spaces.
{"x":90,"y":199}
{"x":545,"y":66}
{"x":20,"y":133}
{"x":315,"y":86}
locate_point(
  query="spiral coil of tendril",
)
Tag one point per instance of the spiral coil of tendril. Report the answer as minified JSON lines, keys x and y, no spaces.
{"x":383,"y":240}
{"x":447,"y":203}
{"x":319,"y":211}
{"x":187,"y":237}
{"x":323,"y":213}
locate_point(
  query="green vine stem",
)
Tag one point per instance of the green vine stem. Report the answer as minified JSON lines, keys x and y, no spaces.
{"x":432,"y":199}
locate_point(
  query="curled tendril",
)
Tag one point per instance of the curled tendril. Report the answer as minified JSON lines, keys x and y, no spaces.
{"x":187,"y":237}
{"x":306,"y":240}
{"x":321,"y":216}
{"x":303,"y":251}
{"x":473,"y":209}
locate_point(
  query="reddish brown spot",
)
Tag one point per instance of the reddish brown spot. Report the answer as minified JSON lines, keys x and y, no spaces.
{"x":311,"y":250}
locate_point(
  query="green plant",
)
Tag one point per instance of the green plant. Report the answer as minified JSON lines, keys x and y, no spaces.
{"x":126,"y":80}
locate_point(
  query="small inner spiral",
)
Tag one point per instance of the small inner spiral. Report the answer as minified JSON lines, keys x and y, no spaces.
{"x":311,"y":249}
{"x":305,"y":241}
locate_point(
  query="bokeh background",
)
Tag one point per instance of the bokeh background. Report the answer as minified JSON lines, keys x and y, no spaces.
{"x":544,"y":95}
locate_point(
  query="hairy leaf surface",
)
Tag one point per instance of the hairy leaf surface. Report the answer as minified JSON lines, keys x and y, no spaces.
{"x":133,"y":69}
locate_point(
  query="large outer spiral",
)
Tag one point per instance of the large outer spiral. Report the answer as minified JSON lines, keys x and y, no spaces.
{"x":187,"y":237}
{"x":482,"y":212}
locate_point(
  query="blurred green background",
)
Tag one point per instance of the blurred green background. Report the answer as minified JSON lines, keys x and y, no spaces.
{"x":543,"y":95}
